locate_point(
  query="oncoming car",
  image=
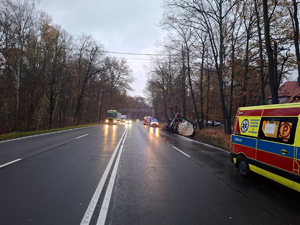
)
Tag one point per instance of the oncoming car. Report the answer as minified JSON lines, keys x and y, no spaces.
{"x":154,"y":123}
{"x":128,"y":121}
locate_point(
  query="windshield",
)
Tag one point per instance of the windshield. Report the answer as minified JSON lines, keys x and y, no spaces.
{"x":111,"y":114}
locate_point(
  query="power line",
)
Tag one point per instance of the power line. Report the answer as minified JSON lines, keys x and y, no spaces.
{"x":135,"y":58}
{"x":130,"y":53}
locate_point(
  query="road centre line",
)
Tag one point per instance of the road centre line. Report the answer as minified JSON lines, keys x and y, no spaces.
{"x":107,"y":197}
{"x":91,"y":208}
{"x":82,"y":136}
{"x":181,"y":151}
{"x":9,"y":163}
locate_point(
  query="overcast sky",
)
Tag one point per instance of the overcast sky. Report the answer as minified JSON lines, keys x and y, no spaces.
{"x":128,"y":26}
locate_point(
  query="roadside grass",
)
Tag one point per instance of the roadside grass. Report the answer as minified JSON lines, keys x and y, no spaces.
{"x":24,"y":134}
{"x":213,"y":136}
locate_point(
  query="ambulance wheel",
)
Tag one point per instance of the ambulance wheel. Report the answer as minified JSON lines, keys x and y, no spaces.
{"x":243,"y":166}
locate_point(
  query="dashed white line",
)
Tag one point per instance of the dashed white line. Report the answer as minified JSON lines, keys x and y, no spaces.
{"x":81,"y":136}
{"x":181,"y":151}
{"x":6,"y":164}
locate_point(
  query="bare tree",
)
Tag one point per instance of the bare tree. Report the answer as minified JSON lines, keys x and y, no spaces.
{"x":119,"y":77}
{"x":88,"y":60}
{"x":184,"y":30}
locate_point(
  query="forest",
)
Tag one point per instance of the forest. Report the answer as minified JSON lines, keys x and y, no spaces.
{"x":50,"y":78}
{"x":218,"y":55}
{"x":223,"y":54}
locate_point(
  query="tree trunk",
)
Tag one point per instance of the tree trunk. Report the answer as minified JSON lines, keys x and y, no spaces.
{"x":183,"y":95}
{"x":270,"y":53}
{"x":219,"y":68}
{"x":190,"y":82}
{"x":296,"y":37}
{"x":201,"y":125}
{"x":261,"y":59}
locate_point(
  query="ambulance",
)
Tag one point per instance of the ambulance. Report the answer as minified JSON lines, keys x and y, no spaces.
{"x":266,"y":140}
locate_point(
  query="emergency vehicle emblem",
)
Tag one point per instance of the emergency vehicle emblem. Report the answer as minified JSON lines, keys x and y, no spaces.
{"x":245,"y":125}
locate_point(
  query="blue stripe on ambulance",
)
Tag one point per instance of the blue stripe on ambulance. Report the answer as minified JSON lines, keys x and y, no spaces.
{"x":275,"y":148}
{"x":249,"y":142}
{"x":266,"y":146}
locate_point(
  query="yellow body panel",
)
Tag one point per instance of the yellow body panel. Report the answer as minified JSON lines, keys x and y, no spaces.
{"x":272,"y":176}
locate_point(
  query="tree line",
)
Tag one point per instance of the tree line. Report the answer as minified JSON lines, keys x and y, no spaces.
{"x":220,"y":55}
{"x":50,"y":78}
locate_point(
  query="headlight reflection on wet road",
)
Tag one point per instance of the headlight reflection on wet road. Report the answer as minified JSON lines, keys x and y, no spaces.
{"x":108,"y":132}
{"x":154,"y":131}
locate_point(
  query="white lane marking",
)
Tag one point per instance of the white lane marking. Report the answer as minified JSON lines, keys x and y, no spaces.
{"x":6,"y":164}
{"x":37,"y":135}
{"x":199,"y":142}
{"x":107,"y":197}
{"x":181,"y":151}
{"x":91,"y":208}
{"x":220,"y":149}
{"x":82,"y":136}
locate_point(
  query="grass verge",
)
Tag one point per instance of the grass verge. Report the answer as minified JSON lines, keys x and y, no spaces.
{"x":24,"y":134}
{"x":213,"y":136}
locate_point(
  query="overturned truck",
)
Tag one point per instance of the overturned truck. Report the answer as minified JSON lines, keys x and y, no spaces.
{"x":180,"y":125}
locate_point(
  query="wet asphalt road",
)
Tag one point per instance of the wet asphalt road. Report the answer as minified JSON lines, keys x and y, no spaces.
{"x":58,"y":174}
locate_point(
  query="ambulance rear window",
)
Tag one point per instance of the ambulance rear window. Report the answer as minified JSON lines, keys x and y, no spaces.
{"x":278,"y":129}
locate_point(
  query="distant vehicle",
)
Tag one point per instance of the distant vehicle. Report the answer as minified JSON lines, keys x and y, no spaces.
{"x":216,"y":123}
{"x":137,"y":120}
{"x":123,"y":118}
{"x":154,"y":123}
{"x":147,"y":120}
{"x":119,"y":117}
{"x":128,"y":121}
{"x":112,"y":117}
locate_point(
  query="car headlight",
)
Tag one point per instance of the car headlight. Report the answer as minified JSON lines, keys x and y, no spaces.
{"x":106,"y":121}
{"x":115,"y":121}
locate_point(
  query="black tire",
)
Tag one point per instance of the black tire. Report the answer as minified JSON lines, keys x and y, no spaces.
{"x":243,"y":166}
